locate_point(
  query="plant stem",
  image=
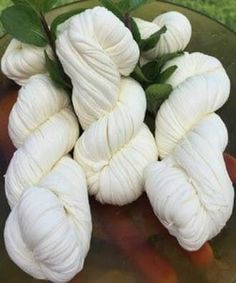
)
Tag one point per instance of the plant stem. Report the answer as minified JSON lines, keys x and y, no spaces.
{"x":49,"y":37}
{"x":53,"y":47}
{"x":127,"y":21}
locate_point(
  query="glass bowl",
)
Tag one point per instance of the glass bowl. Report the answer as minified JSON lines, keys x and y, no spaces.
{"x":128,"y":243}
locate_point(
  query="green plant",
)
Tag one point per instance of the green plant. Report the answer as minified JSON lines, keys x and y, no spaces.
{"x":224,"y":10}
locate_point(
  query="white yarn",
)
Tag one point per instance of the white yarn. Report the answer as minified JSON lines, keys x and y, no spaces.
{"x":95,"y":49}
{"x":190,"y":190}
{"x":201,"y":87}
{"x":48,"y":231}
{"x":39,"y":96}
{"x":176,"y":38}
{"x":21,"y":61}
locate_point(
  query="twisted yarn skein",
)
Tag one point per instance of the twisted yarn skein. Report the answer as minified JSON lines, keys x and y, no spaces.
{"x":189,"y":189}
{"x":48,"y":231}
{"x":97,"y":51}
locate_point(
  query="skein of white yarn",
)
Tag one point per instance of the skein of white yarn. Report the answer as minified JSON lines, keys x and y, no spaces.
{"x":176,"y":37}
{"x":48,"y":231}
{"x":96,"y":49}
{"x":190,"y":190}
{"x":21,"y":61}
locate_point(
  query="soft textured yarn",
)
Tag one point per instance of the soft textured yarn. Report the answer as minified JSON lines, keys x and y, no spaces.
{"x":176,"y":38}
{"x":190,"y":190}
{"x":21,"y":61}
{"x":48,"y":231}
{"x":96,"y":49}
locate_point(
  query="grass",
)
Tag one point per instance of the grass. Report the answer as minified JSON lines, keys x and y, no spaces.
{"x":222,"y":10}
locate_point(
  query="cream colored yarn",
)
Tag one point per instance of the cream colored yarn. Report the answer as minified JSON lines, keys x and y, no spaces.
{"x":21,"y":61}
{"x":48,"y":231}
{"x":176,"y":38}
{"x":190,"y":190}
{"x":96,"y":50}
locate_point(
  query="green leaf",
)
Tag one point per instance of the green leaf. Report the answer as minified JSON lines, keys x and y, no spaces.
{"x":25,"y":3}
{"x":167,"y":57}
{"x":23,"y":24}
{"x":151,"y":70}
{"x":48,"y":5}
{"x":57,"y":74}
{"x":151,"y":42}
{"x":156,"y":94}
{"x":139,"y":76}
{"x":37,"y":5}
{"x":123,"y":5}
{"x":165,"y":75}
{"x":61,"y":19}
{"x":113,"y":8}
{"x":135,"y":31}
